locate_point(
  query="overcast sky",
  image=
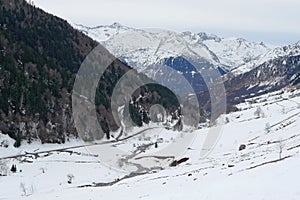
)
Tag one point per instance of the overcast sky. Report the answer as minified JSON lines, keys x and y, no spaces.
{"x":271,"y":21}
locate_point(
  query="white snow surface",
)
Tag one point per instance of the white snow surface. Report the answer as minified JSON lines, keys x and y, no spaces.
{"x":234,"y":52}
{"x":289,"y":50}
{"x":143,"y":47}
{"x":267,"y":169}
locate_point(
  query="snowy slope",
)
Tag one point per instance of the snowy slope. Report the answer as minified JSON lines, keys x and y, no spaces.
{"x":285,"y":51}
{"x":266,"y":169}
{"x":102,"y":33}
{"x":234,"y":52}
{"x":162,"y":55}
{"x":141,"y":48}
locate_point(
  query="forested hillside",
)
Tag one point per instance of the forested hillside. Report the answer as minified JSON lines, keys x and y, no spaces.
{"x":39,"y":57}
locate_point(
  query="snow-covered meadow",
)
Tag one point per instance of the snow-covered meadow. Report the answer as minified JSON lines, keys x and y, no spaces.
{"x":266,"y":128}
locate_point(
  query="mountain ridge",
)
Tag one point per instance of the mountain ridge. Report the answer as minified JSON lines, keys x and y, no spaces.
{"x":40,"y":55}
{"x":287,"y":50}
{"x":223,"y":49}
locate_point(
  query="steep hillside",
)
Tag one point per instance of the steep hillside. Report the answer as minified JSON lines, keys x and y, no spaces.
{"x":225,"y":52}
{"x":290,"y":50}
{"x":40,"y":55}
{"x":269,"y":76}
{"x":279,"y":71}
{"x":234,"y":52}
{"x":255,"y":154}
{"x":164,"y":55}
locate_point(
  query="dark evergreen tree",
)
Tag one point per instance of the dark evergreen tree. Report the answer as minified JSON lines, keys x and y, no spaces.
{"x":135,"y":115}
{"x":13,"y":168}
{"x":40,"y":55}
{"x":146,"y":118}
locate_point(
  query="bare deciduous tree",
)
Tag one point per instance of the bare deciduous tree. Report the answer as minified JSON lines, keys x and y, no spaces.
{"x":70,"y":178}
{"x":268,"y":127}
{"x":26,"y":191}
{"x":281,"y":146}
{"x":23,"y":189}
{"x":3,"y":168}
{"x":259,"y":112}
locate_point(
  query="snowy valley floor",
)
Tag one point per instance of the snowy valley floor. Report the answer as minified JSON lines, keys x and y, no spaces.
{"x":266,"y":169}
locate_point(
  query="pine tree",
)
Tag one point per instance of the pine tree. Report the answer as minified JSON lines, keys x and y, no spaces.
{"x":13,"y":168}
{"x":146,"y":119}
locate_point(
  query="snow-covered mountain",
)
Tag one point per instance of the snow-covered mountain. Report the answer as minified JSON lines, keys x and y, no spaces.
{"x":161,"y":53}
{"x":102,"y":33}
{"x":234,"y":52}
{"x":143,"y":47}
{"x":280,"y":68}
{"x":285,"y":51}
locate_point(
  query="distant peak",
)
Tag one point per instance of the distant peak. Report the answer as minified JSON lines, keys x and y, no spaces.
{"x":187,"y":33}
{"x":291,"y":46}
{"x":263,"y":44}
{"x":116,"y":24}
{"x":205,"y":36}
